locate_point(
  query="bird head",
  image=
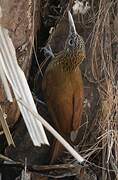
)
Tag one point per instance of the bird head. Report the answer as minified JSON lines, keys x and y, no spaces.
{"x":74,"y":40}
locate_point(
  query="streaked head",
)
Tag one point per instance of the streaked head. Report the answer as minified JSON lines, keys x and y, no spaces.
{"x":74,"y":40}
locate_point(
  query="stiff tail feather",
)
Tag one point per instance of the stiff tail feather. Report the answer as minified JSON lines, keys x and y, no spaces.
{"x":57,"y":151}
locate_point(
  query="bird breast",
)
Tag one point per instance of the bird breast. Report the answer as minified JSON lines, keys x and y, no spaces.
{"x":68,"y":62}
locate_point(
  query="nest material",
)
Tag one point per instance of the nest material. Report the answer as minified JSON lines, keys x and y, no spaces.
{"x":98,"y":135}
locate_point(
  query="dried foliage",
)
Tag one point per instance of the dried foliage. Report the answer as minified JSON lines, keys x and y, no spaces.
{"x":103,"y":57}
{"x":98,"y":135}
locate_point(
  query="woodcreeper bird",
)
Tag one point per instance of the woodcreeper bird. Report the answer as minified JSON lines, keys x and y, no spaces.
{"x":63,"y":87}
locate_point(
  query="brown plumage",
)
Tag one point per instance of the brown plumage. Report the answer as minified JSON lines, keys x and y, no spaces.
{"x":63,"y":87}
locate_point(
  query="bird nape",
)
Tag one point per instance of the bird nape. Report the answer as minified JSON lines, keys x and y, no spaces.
{"x":62,"y":87}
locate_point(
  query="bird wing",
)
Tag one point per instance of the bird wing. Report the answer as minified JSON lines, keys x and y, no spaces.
{"x":77,"y":110}
{"x":78,"y":94}
{"x":58,"y":94}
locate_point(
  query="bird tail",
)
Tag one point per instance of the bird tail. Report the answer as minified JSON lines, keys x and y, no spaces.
{"x":57,"y":151}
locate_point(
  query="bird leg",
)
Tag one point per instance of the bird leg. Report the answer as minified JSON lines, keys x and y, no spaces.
{"x":47,"y":52}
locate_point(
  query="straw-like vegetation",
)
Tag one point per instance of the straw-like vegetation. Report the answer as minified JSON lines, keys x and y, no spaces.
{"x":103,"y":56}
{"x":98,"y":136}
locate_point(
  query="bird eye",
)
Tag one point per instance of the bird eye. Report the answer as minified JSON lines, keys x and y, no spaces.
{"x":70,"y":42}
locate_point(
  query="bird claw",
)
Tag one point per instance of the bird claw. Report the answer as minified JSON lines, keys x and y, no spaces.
{"x":47,"y":52}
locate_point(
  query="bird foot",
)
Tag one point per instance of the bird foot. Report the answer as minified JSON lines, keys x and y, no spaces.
{"x":47,"y":52}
